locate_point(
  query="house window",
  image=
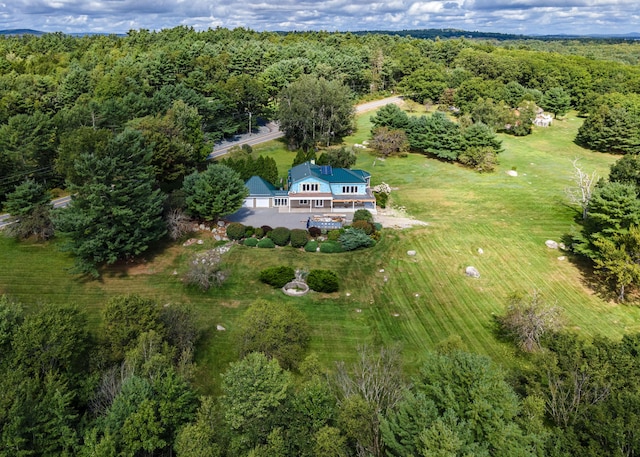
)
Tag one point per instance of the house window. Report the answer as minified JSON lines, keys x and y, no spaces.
{"x":310,"y":187}
{"x":280,"y":202}
{"x":304,"y":202}
{"x":349,"y":189}
{"x":319,"y":203}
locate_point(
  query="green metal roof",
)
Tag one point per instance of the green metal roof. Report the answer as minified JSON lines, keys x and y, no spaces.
{"x":258,"y":187}
{"x":331,"y":175}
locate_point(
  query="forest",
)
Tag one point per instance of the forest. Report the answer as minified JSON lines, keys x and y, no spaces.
{"x":129,"y":121}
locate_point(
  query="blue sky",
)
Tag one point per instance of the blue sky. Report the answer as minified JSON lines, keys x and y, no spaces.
{"x":506,"y":16}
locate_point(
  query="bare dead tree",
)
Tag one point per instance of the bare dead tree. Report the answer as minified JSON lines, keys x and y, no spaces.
{"x":584,"y":185}
{"x":527,"y":319}
{"x":205,"y":271}
{"x":178,"y":223}
{"x":109,"y":388}
{"x":377,"y":378}
{"x":571,"y":392}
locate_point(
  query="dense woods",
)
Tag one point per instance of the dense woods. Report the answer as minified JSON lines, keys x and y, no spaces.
{"x":125,"y":124}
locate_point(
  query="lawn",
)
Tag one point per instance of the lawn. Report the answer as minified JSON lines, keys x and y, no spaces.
{"x":386,"y":296}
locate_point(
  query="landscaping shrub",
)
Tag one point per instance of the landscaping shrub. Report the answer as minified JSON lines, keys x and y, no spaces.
{"x":266,"y":243}
{"x":235,"y":231}
{"x":323,"y":281}
{"x":381,"y":199}
{"x":311,"y":246}
{"x":333,"y":235}
{"x":251,"y":242}
{"x":362,"y":215}
{"x":299,"y":238}
{"x":249,"y":231}
{"x":266,"y":229}
{"x":277,"y":276}
{"x":481,"y":159}
{"x":331,"y":247}
{"x":378,"y":226}
{"x":366,"y":226}
{"x":355,"y":238}
{"x":315,"y":232}
{"x":280,"y":235}
{"x":259,"y":232}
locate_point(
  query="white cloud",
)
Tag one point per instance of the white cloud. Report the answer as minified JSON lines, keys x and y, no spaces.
{"x":517,"y":16}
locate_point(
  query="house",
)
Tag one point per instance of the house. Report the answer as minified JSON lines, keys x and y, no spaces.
{"x":263,"y":194}
{"x":314,"y":188}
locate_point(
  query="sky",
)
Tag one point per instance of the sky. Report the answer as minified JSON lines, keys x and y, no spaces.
{"x":529,"y":17}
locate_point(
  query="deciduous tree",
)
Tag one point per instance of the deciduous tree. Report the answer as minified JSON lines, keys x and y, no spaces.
{"x":313,"y":110}
{"x":278,"y":330}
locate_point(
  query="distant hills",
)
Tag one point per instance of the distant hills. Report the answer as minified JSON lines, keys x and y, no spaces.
{"x":423,"y":33}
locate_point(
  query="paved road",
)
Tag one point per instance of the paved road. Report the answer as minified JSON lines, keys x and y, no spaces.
{"x":272,"y":132}
{"x":57,"y":203}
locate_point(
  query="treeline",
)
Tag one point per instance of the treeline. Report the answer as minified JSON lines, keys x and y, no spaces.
{"x":184,"y":89}
{"x":127,"y":389}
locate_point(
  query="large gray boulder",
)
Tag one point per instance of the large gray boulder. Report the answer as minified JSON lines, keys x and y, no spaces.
{"x":472,"y":272}
{"x":551,"y":244}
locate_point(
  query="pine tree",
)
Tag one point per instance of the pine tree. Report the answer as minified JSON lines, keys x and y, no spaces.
{"x":116,"y":214}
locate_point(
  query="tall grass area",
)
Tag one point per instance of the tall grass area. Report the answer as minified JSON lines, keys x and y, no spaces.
{"x":386,"y":296}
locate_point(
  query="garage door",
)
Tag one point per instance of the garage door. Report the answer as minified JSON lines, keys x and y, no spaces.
{"x":262,"y":202}
{"x":248,"y":203}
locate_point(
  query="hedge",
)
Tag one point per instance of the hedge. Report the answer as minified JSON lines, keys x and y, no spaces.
{"x":331,"y":247}
{"x":251,"y":242}
{"x":280,"y":235}
{"x":277,"y":276}
{"x":315,"y":232}
{"x":235,"y":231}
{"x":323,"y":281}
{"x":311,"y":246}
{"x":366,"y":226}
{"x":362,"y":215}
{"x":266,"y":243}
{"x":299,"y":238}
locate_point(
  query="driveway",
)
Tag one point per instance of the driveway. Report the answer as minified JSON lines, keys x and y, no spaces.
{"x":257,"y":217}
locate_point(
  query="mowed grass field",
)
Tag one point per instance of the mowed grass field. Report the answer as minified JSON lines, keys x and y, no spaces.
{"x":386,"y":296}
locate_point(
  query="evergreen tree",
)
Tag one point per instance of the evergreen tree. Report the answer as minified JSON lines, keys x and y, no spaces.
{"x":116,"y":214}
{"x":30,"y":209}
{"x":216,"y":192}
{"x":390,"y":116}
{"x":436,"y":135}
{"x":557,"y":101}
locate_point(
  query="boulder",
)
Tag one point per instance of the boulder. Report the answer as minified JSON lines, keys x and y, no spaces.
{"x":411,"y":253}
{"x":472,"y":272}
{"x":220,"y":328}
{"x":551,"y":244}
{"x":512,"y":173}
{"x":480,"y":251}
{"x":562,"y":258}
